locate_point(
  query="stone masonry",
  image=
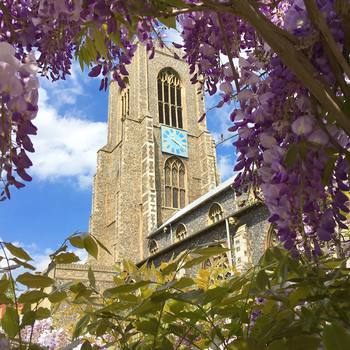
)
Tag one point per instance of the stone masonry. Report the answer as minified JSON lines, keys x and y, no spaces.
{"x":128,"y":206}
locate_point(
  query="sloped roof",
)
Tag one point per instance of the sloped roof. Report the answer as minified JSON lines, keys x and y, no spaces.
{"x":196,"y":203}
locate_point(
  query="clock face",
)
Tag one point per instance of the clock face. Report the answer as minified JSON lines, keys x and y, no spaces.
{"x":174,"y":141}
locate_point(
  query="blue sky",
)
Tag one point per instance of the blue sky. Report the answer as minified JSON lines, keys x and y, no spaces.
{"x":72,"y":127}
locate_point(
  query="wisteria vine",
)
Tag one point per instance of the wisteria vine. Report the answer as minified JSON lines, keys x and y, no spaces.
{"x":284,"y":64}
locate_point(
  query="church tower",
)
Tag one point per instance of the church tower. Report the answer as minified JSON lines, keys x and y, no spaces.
{"x":157,"y":159}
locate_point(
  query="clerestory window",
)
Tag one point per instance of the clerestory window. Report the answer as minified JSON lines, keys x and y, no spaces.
{"x":169,"y":98}
{"x":153,"y":246}
{"x":175,"y":190}
{"x":271,"y":238}
{"x":216,"y":213}
{"x":181,"y":232}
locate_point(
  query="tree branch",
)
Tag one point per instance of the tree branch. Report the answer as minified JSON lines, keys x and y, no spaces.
{"x":320,"y":23}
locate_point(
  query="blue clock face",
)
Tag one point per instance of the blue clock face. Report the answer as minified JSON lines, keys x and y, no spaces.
{"x":174,"y":141}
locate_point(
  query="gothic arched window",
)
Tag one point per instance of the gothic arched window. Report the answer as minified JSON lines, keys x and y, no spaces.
{"x":175,"y":192}
{"x":216,"y":213}
{"x":271,"y":238}
{"x":181,"y":232}
{"x":125,"y":99}
{"x":169,"y":98}
{"x":153,"y":246}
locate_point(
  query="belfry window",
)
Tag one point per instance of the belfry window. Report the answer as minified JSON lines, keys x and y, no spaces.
{"x":169,"y":98}
{"x":215,"y":213}
{"x":175,"y":192}
{"x":125,"y":99}
{"x":153,"y":246}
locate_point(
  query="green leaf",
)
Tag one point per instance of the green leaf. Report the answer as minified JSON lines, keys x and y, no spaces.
{"x":297,"y":295}
{"x":126,"y":288}
{"x":23,"y":263}
{"x":86,"y":345}
{"x":85,"y":55}
{"x":80,"y":326}
{"x":176,"y":3}
{"x":262,"y":279}
{"x":346,"y":106}
{"x":90,"y":246}
{"x":42,"y":312}
{"x":149,"y":326}
{"x":166,"y":344}
{"x":77,"y":241}
{"x":194,"y":262}
{"x":183,"y":283}
{"x":91,"y":50}
{"x":4,"y":284}
{"x":4,"y":299}
{"x":100,"y":44}
{"x":57,"y":296}
{"x":147,"y":307}
{"x":10,"y":322}
{"x":301,"y":342}
{"x":243,"y":344}
{"x":35,"y":281}
{"x":101,"y":245}
{"x":170,"y":22}
{"x":333,"y":263}
{"x":77,"y":287}
{"x":32,"y":296}
{"x":81,"y":60}
{"x":335,"y":337}
{"x":28,"y":318}
{"x":66,"y":258}
{"x":17,"y":251}
{"x":168,"y":268}
{"x":35,"y":347}
{"x":291,"y":156}
{"x":217,"y":293}
{"x":328,"y":170}
{"x":210,"y":251}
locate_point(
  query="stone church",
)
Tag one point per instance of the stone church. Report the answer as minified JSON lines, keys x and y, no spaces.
{"x":157,"y":189}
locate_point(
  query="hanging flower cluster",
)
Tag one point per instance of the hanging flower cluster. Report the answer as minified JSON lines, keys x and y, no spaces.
{"x":98,"y":31}
{"x":287,"y":145}
{"x":18,"y":106}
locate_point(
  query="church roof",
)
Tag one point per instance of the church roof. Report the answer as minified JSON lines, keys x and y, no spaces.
{"x":196,"y":203}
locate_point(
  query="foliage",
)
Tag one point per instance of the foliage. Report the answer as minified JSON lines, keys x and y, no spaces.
{"x":287,"y":72}
{"x":282,"y":303}
{"x":29,"y":299}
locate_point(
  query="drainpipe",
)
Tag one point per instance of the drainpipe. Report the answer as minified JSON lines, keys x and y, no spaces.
{"x":229,"y":242}
{"x":171,"y":234}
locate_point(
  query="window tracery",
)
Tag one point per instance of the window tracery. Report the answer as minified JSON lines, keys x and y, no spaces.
{"x":271,"y":238}
{"x":175,"y":192}
{"x":153,"y":246}
{"x":181,"y":232}
{"x":169,"y":98}
{"x":216,"y":213}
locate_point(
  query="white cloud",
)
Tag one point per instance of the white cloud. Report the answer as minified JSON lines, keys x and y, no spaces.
{"x":66,"y":92}
{"x":41,"y":258}
{"x":225,"y":167}
{"x":65,"y":146}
